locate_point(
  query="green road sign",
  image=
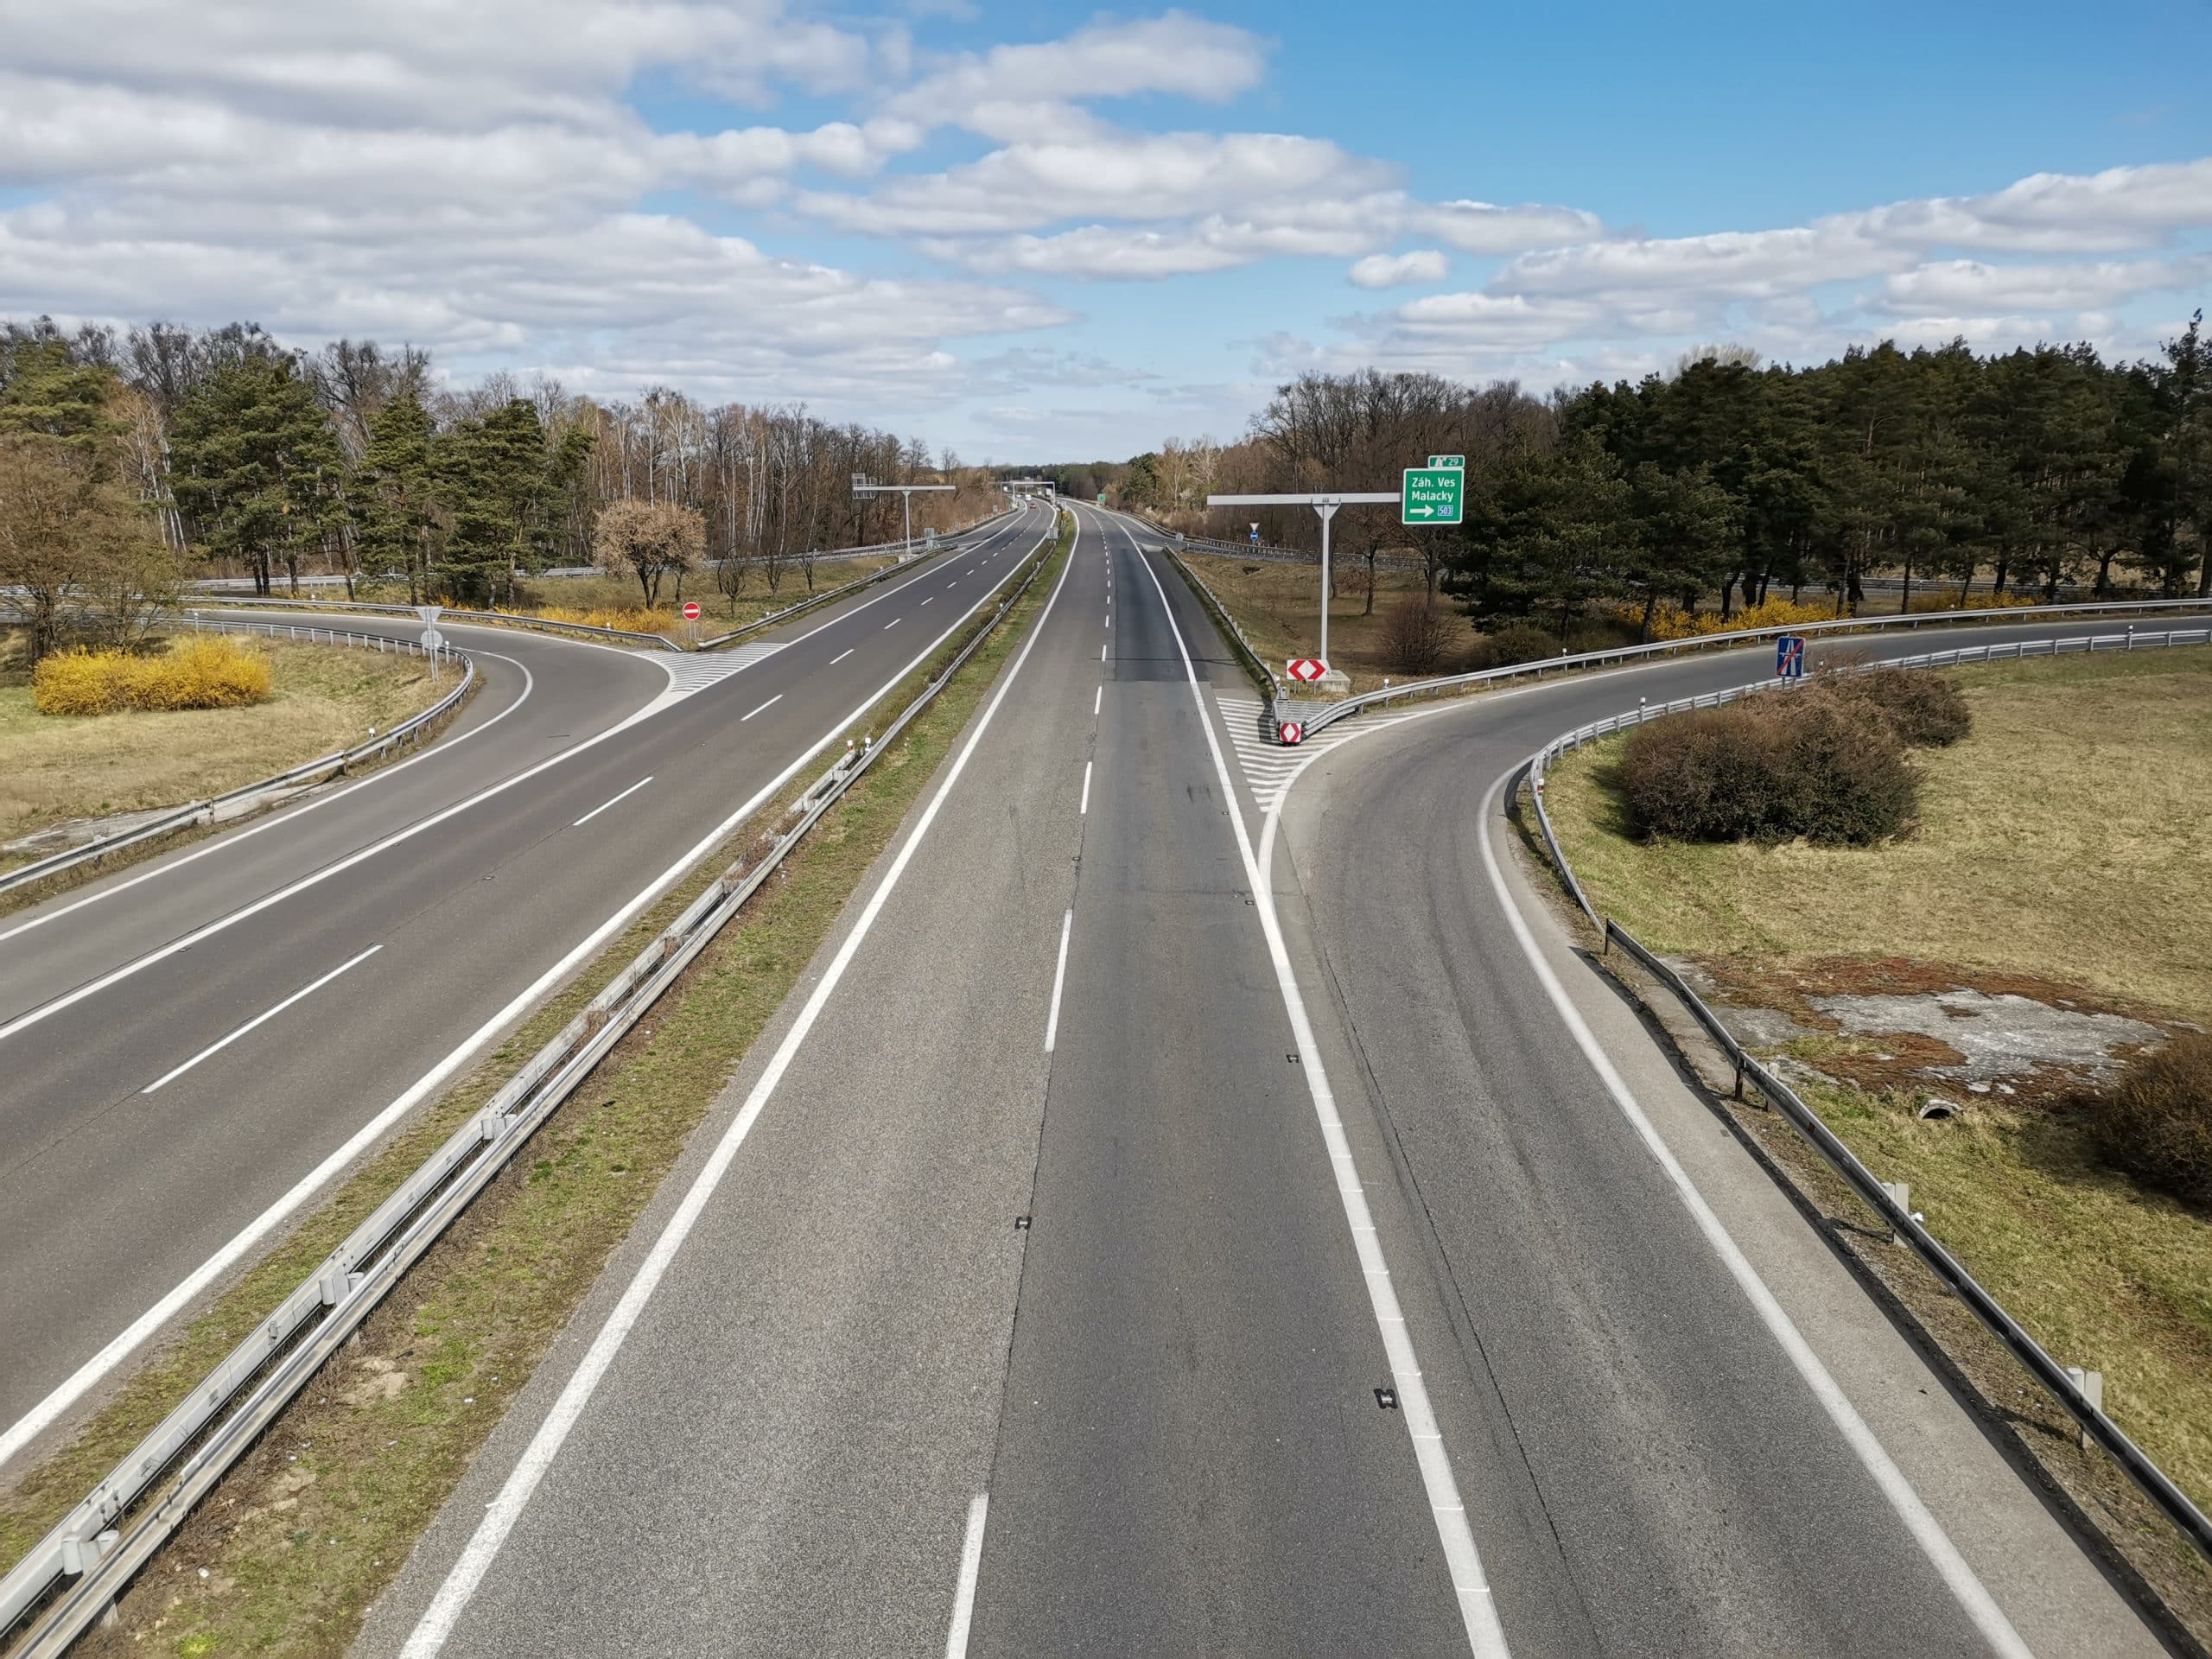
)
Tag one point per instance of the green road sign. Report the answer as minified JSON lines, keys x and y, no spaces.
{"x":1461,"y":461}
{"x":1432,"y":495}
{"x":1102,"y":498}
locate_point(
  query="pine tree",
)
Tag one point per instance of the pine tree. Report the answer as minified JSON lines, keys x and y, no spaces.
{"x":255,"y":465}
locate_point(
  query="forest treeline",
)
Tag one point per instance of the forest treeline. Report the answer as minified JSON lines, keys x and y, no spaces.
{"x":2037,"y":470}
{"x":130,"y":460}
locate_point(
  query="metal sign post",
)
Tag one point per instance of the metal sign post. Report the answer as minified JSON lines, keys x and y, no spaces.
{"x":1325,"y":505}
{"x":864,"y":486}
{"x":432,"y":640}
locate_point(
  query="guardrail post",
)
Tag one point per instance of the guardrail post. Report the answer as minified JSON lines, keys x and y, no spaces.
{"x":1900,"y":1194}
{"x":2092,"y":1385}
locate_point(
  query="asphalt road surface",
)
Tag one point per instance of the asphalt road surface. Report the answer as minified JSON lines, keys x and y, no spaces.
{"x":1026,"y":1293}
{"x":191,"y":1047}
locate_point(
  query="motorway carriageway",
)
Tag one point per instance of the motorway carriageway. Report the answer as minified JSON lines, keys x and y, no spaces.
{"x":1082,"y":1263}
{"x":190,"y":1049}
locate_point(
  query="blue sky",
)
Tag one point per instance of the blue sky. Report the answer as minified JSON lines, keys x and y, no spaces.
{"x":1026,"y":234}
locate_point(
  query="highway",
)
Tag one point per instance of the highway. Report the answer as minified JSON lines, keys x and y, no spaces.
{"x":191,"y":1048}
{"x":1180,"y":1216}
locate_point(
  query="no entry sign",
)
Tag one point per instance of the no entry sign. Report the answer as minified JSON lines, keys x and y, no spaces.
{"x":1307,"y":669}
{"x":690,"y":610}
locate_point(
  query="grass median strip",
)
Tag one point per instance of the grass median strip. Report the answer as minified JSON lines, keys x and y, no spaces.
{"x":2057,"y":881}
{"x":296,"y":1542}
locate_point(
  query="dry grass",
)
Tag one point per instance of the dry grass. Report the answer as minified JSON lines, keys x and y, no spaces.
{"x":1278,"y":606}
{"x":2065,"y":837}
{"x":214,"y":671}
{"x":311,"y":1527}
{"x":2070,"y":827}
{"x":53,"y":770}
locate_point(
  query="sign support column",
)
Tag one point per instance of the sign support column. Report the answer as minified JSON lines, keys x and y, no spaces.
{"x":1324,"y":505}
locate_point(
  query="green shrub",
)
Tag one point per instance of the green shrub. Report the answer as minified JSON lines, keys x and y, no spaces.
{"x":1516,"y":642}
{"x":1925,"y":710}
{"x":1770,"y":768}
{"x":2155,"y":1122}
{"x":1708,"y":775}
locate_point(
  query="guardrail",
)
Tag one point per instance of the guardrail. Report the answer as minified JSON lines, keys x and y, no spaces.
{"x":102,"y":1544}
{"x":408,"y":731}
{"x":2014,"y":615}
{"x":2155,"y":1483}
{"x":507,"y":619}
{"x":1255,"y":664}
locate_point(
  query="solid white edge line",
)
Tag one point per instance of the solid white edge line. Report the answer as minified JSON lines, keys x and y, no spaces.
{"x":461,"y":1584}
{"x":771,"y":703}
{"x":222,"y":1043}
{"x":1059,"y":979}
{"x":971,"y":1565}
{"x":1084,"y":809}
{"x":277,"y":820}
{"x":1926,"y":1531}
{"x":1478,"y":1607}
{"x":612,"y":801}
{"x":35,"y":1422}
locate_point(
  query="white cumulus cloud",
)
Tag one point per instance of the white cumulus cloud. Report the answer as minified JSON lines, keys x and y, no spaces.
{"x":1397,"y":270}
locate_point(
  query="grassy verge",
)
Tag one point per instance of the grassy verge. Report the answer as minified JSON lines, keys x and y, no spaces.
{"x":2071,"y":827}
{"x":308,"y":1530}
{"x":55,"y":768}
{"x":1279,"y":607}
{"x":2053,"y":861}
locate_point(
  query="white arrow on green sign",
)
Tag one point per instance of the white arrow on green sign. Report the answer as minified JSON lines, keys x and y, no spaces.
{"x":1432,"y":495}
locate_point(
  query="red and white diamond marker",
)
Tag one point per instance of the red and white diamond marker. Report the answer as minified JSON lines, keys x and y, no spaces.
{"x":1290,"y":732}
{"x":1304,"y":669}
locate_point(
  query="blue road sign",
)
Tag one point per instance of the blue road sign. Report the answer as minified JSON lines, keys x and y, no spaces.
{"x":1790,"y":657}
